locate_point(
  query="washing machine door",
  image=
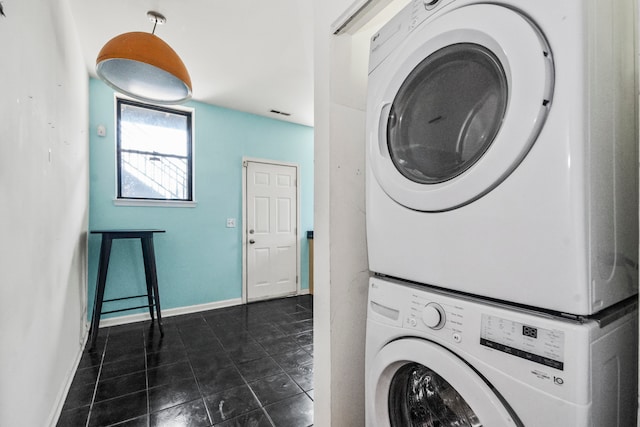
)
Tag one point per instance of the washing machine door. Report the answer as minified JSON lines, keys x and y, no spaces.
{"x":417,"y":383}
{"x":454,"y":109}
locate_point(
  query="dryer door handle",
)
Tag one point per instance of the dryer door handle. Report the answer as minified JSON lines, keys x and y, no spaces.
{"x":382,"y":114}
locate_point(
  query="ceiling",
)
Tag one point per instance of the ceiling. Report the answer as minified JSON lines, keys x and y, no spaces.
{"x":248,"y":55}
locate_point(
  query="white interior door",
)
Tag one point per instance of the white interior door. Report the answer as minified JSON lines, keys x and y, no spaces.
{"x":271,"y":230}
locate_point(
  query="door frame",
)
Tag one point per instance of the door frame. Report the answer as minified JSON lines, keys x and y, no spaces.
{"x":245,"y":231}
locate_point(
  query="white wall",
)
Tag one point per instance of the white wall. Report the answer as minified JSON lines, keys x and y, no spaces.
{"x":341,"y":267}
{"x":329,"y":329}
{"x":324,"y":12}
{"x":43,"y":213}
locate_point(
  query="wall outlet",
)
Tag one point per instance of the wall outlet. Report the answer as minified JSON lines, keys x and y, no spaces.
{"x":231,"y":222}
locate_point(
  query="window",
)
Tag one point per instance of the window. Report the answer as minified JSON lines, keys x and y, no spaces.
{"x":154,"y":153}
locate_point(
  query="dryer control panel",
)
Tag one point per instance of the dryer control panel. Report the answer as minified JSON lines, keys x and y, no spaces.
{"x":398,"y":28}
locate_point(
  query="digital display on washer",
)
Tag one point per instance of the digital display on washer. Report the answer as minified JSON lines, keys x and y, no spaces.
{"x":538,"y":345}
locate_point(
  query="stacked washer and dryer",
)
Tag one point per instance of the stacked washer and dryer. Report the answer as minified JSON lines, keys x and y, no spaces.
{"x":502,"y":215}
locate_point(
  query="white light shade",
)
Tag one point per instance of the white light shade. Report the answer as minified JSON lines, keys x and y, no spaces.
{"x":143,"y":66}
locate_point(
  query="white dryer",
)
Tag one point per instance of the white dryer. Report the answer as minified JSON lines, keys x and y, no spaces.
{"x":502,"y":150}
{"x":437,"y":359}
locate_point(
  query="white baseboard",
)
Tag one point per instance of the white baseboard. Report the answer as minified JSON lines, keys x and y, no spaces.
{"x":304,"y":292}
{"x":141,"y":317}
{"x":62,"y":395}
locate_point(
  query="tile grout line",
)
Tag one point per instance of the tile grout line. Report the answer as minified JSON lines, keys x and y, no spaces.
{"x":262,"y":405}
{"x":195,"y":377}
{"x":117,"y":423}
{"x":246,"y":383}
{"x":302,"y":391}
{"x":146,"y":375}
{"x":95,"y":387}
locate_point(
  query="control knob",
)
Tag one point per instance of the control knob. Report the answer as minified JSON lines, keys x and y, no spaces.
{"x":433,"y":316}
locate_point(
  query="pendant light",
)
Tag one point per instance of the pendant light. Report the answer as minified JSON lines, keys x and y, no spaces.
{"x":144,"y":67}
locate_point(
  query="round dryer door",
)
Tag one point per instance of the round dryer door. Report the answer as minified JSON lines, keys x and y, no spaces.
{"x":418,"y":383}
{"x":457,"y":106}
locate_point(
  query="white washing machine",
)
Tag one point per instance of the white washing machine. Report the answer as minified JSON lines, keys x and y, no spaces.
{"x":434,"y":358}
{"x":502,"y":150}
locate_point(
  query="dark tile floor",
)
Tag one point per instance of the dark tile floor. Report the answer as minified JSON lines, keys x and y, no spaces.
{"x":249,"y":365}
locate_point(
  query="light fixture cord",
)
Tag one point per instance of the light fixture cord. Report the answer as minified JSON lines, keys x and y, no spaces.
{"x":155,"y":23}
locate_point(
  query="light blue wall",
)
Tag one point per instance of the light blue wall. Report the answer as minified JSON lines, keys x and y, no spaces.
{"x":199,"y":259}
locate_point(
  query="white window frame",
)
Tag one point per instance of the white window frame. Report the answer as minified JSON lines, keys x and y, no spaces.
{"x":117,"y":201}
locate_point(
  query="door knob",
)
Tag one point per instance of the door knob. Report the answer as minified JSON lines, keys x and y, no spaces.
{"x":252,"y":241}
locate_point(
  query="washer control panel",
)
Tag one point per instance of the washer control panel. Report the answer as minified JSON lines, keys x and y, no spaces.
{"x":438,"y":317}
{"x":544,"y":346}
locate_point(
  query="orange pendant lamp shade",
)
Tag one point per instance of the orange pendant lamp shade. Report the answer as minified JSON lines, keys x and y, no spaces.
{"x":145,"y":67}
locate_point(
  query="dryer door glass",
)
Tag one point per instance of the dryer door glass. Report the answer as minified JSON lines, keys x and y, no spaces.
{"x":447,"y":113}
{"x":419,"y":397}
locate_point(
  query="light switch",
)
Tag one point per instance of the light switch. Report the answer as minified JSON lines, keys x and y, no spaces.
{"x":231,"y":222}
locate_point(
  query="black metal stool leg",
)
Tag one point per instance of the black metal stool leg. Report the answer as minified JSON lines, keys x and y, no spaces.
{"x":103,"y":266}
{"x":147,"y":279}
{"x":149,"y":256}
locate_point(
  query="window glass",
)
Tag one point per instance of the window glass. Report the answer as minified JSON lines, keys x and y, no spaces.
{"x":447,"y":113}
{"x":154,"y":152}
{"x":419,"y":397}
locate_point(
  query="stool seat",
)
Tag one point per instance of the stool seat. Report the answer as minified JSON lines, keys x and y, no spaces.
{"x":148,"y":255}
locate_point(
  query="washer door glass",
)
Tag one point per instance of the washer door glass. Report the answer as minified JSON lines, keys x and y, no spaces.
{"x":420,"y":397}
{"x":447,"y":113}
{"x":416,"y":382}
